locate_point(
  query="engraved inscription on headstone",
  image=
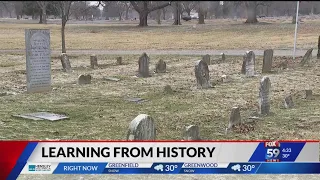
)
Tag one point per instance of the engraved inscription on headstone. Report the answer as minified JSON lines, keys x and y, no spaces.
{"x":264,"y":104}
{"x":38,"y":60}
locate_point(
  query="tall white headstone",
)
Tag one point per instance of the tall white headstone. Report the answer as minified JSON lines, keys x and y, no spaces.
{"x":38,"y":60}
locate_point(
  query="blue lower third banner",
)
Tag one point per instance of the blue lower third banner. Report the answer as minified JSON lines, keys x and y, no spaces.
{"x":189,"y":168}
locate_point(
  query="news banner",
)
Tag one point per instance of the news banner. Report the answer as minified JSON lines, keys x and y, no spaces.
{"x":161,"y":157}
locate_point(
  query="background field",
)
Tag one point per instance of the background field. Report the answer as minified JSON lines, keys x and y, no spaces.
{"x":275,"y":33}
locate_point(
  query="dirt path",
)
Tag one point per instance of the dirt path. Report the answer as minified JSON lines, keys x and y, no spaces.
{"x":234,"y":52}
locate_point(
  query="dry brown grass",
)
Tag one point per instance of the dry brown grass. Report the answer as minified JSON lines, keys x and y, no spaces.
{"x":215,"y":34}
{"x":99,"y":111}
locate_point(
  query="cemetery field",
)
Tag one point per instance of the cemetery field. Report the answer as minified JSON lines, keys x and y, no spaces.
{"x":124,"y":35}
{"x":100,"y":110}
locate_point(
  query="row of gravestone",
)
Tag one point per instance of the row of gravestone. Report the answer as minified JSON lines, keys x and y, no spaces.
{"x":66,"y":65}
{"x":201,"y":66}
{"x":143,"y":126}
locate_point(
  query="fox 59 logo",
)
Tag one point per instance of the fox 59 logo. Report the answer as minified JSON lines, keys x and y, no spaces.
{"x":272,"y":151}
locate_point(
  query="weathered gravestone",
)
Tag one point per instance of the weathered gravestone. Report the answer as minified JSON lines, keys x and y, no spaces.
{"x":306,"y":57}
{"x":144,"y":66}
{"x":161,"y":66}
{"x":201,"y":72}
{"x":38,"y":60}
{"x":119,"y":61}
{"x":235,"y":118}
{"x":288,"y":102}
{"x":308,"y":94}
{"x":223,"y":57}
{"x":191,"y":133}
{"x":243,"y":67}
{"x":84,"y":79}
{"x":206,"y":59}
{"x":318,"y":55}
{"x":65,"y":62}
{"x":168,"y":89}
{"x":264,"y":104}
{"x":267,"y":61}
{"x":93,"y":61}
{"x":249,"y":63}
{"x":142,"y":128}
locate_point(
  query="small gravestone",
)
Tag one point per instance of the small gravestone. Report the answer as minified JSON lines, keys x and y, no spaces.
{"x":201,"y":71}
{"x":267,"y":61}
{"x":191,"y":133}
{"x":168,"y":89}
{"x":264,"y":104}
{"x":288,"y":102}
{"x":306,"y":57}
{"x":144,"y":66}
{"x":223,"y":57}
{"x":136,"y":100}
{"x":38,"y":60}
{"x":206,"y":58}
{"x":243,"y":67}
{"x":142,"y":128}
{"x":308,"y":94}
{"x":318,"y":55}
{"x":65,"y":62}
{"x":111,"y":79}
{"x":84,"y":79}
{"x":161,"y":66}
{"x":119,"y":61}
{"x":235,"y":118}
{"x":93,"y":61}
{"x":42,"y":116}
{"x":249,"y":63}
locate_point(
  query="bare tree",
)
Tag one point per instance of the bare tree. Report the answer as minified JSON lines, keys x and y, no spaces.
{"x":63,"y":7}
{"x":43,"y":6}
{"x":144,"y":8}
{"x":188,"y":6}
{"x":202,"y":9}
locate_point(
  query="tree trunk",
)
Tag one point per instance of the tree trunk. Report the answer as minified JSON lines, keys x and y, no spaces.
{"x":201,"y":17}
{"x":44,"y":15}
{"x":41,"y":20}
{"x":63,"y":37}
{"x":18,"y":17}
{"x":252,"y":12}
{"x":164,"y":13}
{"x":143,"y":18}
{"x":177,"y":17}
{"x":119,"y":16}
{"x":159,"y":16}
{"x":127,"y":14}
